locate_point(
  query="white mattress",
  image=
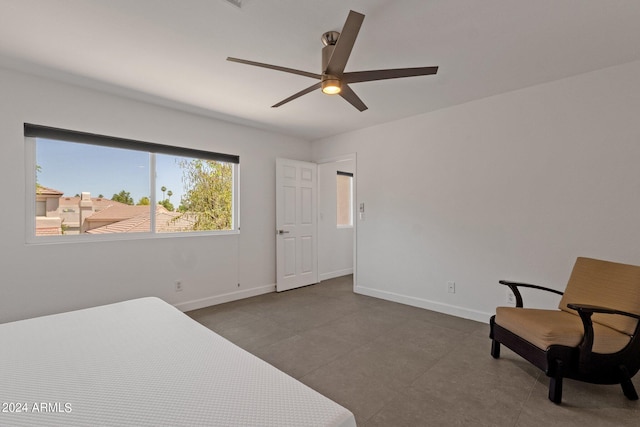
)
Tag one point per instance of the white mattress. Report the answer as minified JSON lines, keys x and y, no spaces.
{"x":144,"y":363}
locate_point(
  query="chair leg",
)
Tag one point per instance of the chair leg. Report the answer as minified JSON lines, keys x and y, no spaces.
{"x":555,"y":385}
{"x":627,"y":386}
{"x":495,"y":349}
{"x":629,"y":390}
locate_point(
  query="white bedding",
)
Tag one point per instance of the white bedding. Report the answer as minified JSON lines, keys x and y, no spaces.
{"x":144,"y":363}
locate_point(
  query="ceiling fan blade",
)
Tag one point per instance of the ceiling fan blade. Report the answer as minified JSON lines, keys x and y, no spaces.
{"x":345,"y":43}
{"x":351,"y":97}
{"x":394,"y":73}
{"x":298,"y":95}
{"x":276,"y":67}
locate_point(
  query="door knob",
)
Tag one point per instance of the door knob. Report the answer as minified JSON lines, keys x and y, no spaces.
{"x":282,"y":232}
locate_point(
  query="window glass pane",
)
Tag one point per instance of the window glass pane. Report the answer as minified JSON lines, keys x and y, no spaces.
{"x":194,"y":194}
{"x":90,"y":189}
{"x":343,"y":201}
{"x":102,"y":185}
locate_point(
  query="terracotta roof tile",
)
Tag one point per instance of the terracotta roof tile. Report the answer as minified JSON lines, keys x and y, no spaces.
{"x":48,"y":231}
{"x":99,"y":203}
{"x":46,"y":191}
{"x":119,"y":212}
{"x":166,"y":222}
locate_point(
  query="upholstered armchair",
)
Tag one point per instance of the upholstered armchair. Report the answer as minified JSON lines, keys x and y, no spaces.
{"x":594,"y":336}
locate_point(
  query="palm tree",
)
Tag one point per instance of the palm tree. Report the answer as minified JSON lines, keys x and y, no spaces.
{"x":169,"y":194}
{"x":163,"y":189}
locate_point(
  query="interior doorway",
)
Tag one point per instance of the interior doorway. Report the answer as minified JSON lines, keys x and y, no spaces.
{"x":337,"y":219}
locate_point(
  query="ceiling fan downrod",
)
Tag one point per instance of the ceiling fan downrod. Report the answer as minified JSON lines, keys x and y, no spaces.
{"x":331,"y":84}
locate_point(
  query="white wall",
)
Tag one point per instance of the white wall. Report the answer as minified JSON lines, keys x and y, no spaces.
{"x":43,"y":279}
{"x":514,"y":186}
{"x":335,"y":245}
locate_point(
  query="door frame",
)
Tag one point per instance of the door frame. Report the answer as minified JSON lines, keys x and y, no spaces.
{"x":349,"y":156}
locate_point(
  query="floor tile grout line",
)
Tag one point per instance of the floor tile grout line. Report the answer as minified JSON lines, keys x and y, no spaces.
{"x":526,"y":399}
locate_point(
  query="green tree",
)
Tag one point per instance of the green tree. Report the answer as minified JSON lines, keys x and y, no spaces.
{"x":167,"y":205}
{"x":144,"y":201}
{"x":163,"y":189}
{"x":208,"y":193}
{"x":169,"y":194}
{"x":38,"y":186}
{"x":123,"y":197}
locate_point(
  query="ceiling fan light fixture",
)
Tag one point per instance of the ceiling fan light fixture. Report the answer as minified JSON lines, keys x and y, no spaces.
{"x":335,"y":54}
{"x":331,"y":85}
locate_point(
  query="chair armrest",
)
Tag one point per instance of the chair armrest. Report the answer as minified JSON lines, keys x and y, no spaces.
{"x":585,"y":311}
{"x":586,"y":308}
{"x":514,"y":288}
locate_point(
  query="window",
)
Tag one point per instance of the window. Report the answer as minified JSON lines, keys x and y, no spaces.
{"x":94,"y":185}
{"x":41,"y":208}
{"x":344,"y":202}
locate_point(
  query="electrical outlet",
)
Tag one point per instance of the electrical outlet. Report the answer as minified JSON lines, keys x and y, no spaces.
{"x":451,"y":287}
{"x":511,"y":298}
{"x":178,"y":286}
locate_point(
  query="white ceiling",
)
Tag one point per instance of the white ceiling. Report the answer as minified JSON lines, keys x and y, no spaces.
{"x":174,"y":52}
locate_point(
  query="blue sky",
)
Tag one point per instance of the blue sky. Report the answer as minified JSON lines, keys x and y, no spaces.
{"x":73,"y":168}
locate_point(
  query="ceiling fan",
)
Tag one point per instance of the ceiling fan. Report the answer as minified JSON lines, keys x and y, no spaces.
{"x":335,"y":54}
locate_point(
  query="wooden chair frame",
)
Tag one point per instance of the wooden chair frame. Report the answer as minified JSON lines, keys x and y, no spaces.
{"x":578,"y":363}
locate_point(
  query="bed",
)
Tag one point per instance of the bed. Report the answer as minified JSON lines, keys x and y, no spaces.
{"x":144,"y":363}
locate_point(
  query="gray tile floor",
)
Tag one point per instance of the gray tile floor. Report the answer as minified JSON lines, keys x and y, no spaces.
{"x":396,"y":365}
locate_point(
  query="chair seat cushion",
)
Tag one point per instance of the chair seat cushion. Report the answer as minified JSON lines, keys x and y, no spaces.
{"x":543,"y":328}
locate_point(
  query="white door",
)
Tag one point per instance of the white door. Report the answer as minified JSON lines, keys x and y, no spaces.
{"x":296,"y":243}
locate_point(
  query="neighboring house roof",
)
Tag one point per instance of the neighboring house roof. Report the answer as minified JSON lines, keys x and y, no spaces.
{"x":108,"y":216}
{"x":99,"y":203}
{"x":137,"y":219}
{"x":119,"y":212}
{"x":46,"y":191}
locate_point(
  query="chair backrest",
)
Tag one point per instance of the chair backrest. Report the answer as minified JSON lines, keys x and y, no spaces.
{"x":606,"y":284}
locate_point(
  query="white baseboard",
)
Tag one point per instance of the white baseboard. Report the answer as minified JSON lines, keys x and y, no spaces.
{"x":334,"y":274}
{"x":220,"y":299}
{"x":453,"y":310}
